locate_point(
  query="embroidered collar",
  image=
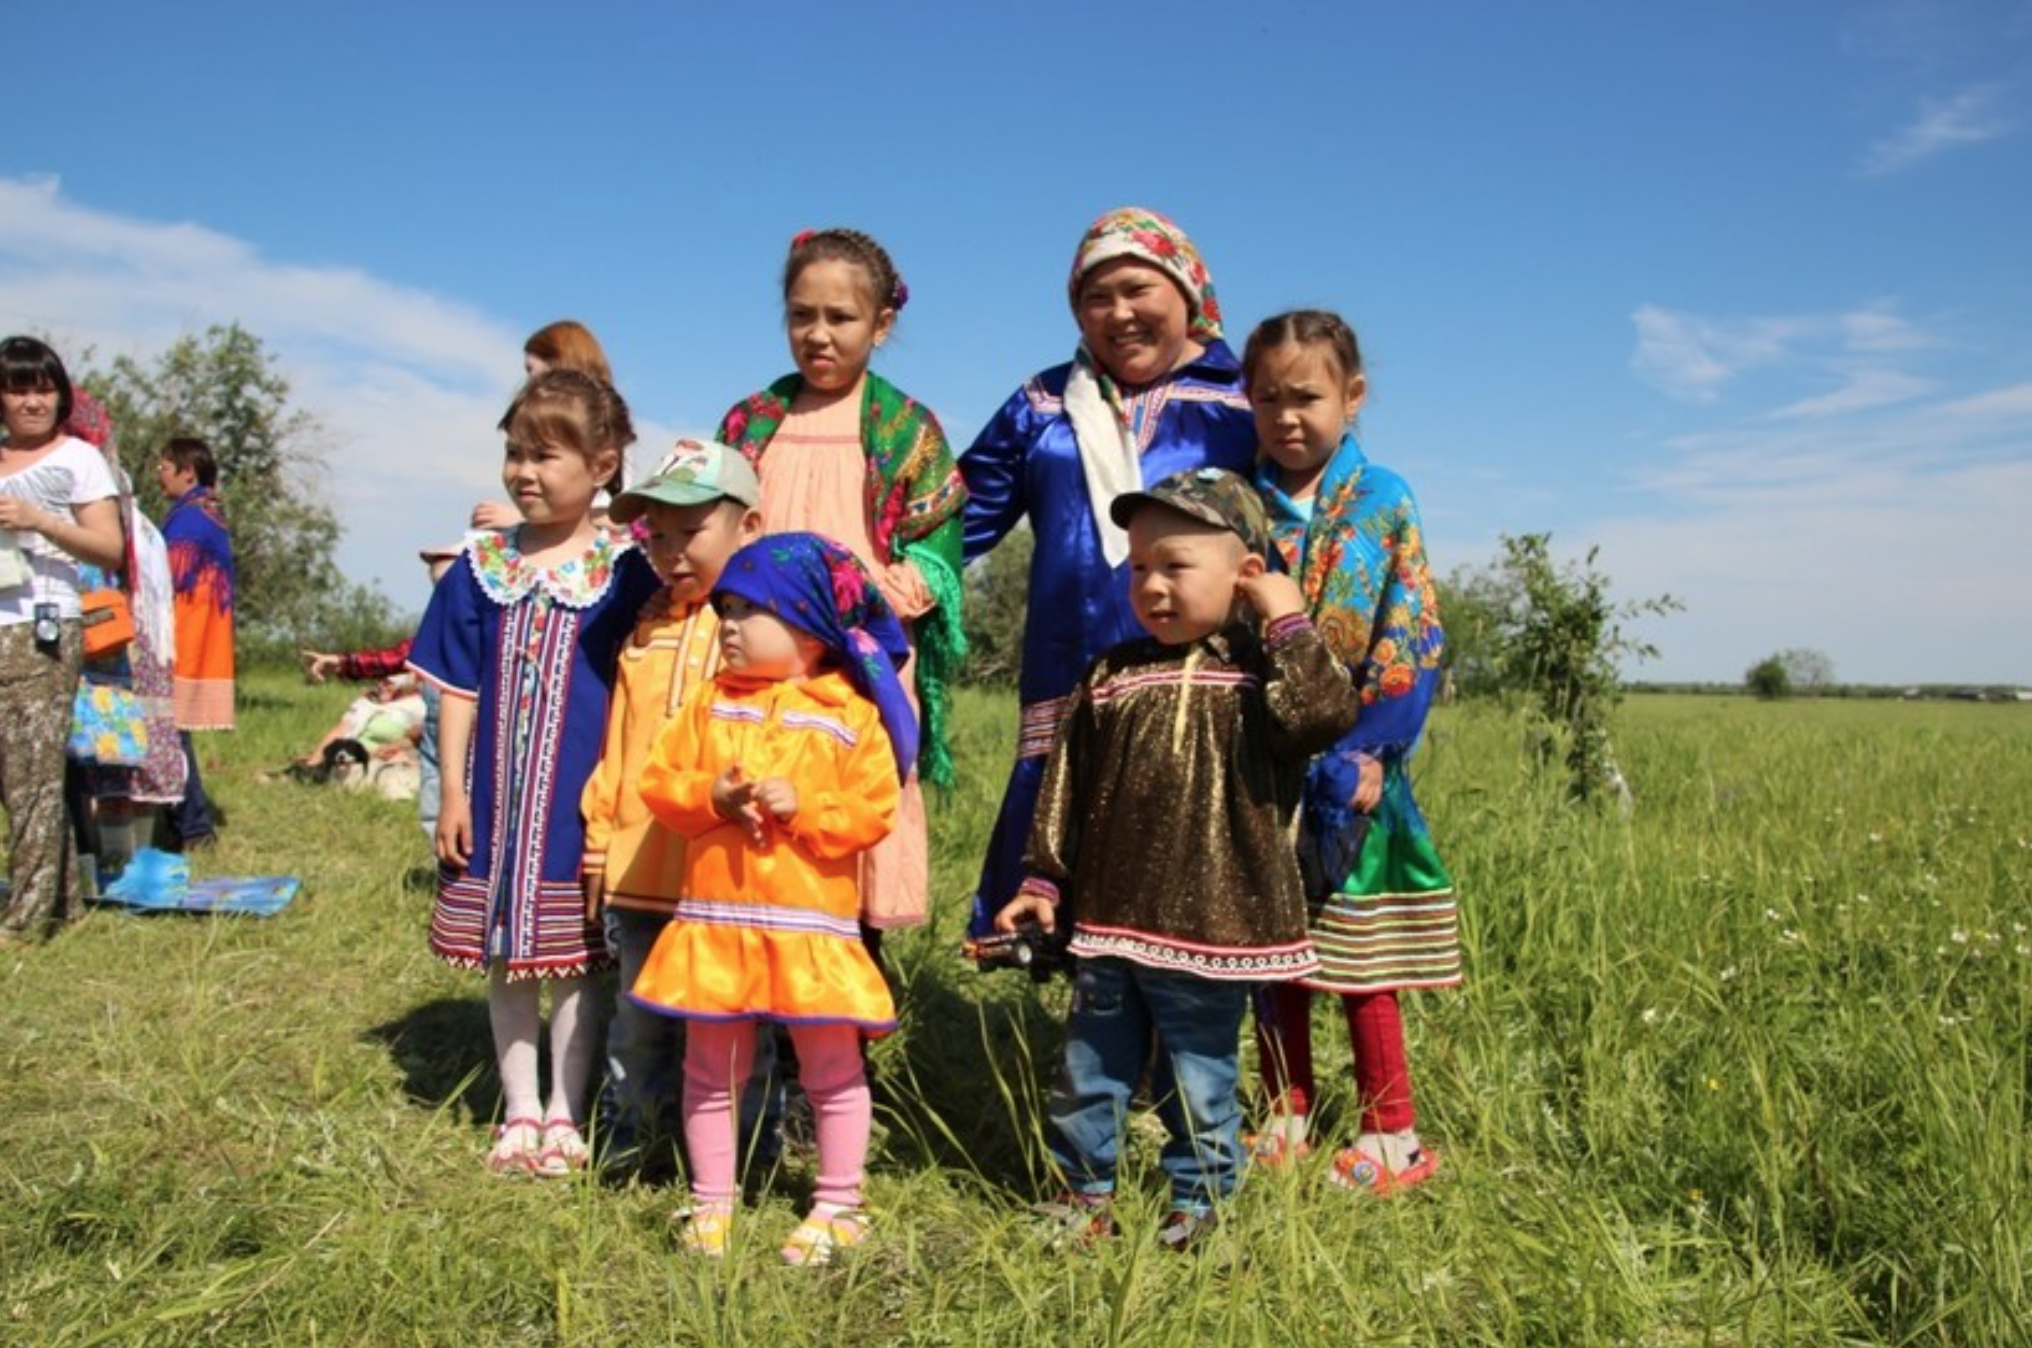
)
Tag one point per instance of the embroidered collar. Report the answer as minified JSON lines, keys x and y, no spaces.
{"x":507,"y":579}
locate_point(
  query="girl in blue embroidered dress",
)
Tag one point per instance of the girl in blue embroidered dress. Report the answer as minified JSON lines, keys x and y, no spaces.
{"x":522,"y":636}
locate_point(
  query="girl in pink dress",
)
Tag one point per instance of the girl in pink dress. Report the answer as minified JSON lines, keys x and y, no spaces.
{"x":843,"y":453}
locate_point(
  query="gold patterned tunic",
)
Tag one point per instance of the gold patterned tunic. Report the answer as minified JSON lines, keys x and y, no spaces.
{"x":1165,"y":822}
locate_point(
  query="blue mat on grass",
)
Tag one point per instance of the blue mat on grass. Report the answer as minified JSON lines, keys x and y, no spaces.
{"x":160,"y":882}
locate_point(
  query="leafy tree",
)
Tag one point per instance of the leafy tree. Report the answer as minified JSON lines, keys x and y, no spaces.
{"x":1806,"y":670}
{"x":222,"y":387}
{"x":1552,"y":635}
{"x":998,"y":601}
{"x":1769,"y":679}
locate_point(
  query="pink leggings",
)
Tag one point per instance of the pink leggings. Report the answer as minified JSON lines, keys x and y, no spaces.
{"x":1375,"y":1033}
{"x":717,"y":1059}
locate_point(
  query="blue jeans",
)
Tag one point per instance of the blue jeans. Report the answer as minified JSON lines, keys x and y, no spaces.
{"x":644,"y":1050}
{"x":645,"y":1061}
{"x":1116,"y":1007}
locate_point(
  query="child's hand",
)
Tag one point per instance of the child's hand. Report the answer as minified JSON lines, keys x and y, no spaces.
{"x":454,"y":830}
{"x":1369,"y":786}
{"x":733,"y":797}
{"x":318,"y":665}
{"x":1034,"y":907}
{"x":595,"y":885}
{"x":777,"y":797}
{"x":1272,"y":594}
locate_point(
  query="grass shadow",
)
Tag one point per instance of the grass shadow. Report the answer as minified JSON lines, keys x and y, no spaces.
{"x":965,"y":1086}
{"x":445,"y":1049}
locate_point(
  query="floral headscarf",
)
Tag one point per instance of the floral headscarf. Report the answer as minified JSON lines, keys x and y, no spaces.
{"x":1100,"y":421}
{"x":91,"y":423}
{"x":815,"y":585}
{"x":1131,"y":231}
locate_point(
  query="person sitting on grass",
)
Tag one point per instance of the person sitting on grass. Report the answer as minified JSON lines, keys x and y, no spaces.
{"x":1162,"y":840}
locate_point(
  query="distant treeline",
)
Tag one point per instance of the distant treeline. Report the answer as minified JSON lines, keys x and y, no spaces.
{"x":1923,"y":692}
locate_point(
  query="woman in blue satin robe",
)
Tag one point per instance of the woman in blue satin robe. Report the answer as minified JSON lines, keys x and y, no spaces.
{"x":1152,"y":390}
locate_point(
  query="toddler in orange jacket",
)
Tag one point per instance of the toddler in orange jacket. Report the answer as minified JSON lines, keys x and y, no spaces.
{"x":779,"y":776}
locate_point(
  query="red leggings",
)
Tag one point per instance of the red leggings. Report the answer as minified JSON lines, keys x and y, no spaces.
{"x":1376,"y":1034}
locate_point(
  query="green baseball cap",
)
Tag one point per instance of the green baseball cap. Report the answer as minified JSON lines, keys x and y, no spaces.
{"x":695,"y":471}
{"x":1210,"y":495}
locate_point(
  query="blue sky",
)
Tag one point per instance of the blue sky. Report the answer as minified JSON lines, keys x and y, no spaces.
{"x":1739,"y":292}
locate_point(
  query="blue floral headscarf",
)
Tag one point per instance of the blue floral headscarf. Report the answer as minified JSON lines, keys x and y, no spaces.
{"x":821,"y":589}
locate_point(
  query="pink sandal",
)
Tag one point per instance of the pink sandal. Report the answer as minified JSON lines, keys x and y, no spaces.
{"x":564,"y":1150}
{"x":515,"y":1147}
{"x":1356,"y":1169}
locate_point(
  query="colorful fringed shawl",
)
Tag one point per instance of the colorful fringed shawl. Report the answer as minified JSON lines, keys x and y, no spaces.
{"x":915,"y":504}
{"x":201,"y":570}
{"x":1360,"y":561}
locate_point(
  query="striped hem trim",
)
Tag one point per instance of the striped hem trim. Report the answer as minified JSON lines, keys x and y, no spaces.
{"x":767,"y":917}
{"x":1227,"y":964}
{"x":527,"y":969}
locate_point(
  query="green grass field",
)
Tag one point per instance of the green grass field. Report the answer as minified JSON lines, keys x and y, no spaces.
{"x":1749,"y":1068}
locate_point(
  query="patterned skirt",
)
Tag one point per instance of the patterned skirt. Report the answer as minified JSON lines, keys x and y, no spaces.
{"x":1393,"y":923}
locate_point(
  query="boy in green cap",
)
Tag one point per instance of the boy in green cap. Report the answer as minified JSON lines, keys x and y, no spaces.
{"x":698,"y":509}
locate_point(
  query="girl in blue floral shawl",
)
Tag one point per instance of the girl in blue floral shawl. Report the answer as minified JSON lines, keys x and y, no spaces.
{"x":1382,"y":901}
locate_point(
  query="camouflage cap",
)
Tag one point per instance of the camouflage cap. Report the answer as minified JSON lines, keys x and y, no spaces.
{"x":1211,"y":495}
{"x":693,"y":471}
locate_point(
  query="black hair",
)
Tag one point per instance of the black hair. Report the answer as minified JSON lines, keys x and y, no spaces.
{"x":188,"y":454}
{"x":27,"y":364}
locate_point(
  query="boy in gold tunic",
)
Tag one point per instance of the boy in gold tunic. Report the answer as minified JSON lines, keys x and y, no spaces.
{"x":1163,"y":837}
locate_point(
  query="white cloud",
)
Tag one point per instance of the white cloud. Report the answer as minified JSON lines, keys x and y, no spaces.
{"x":1882,"y":522}
{"x":1900,"y":576}
{"x":1968,"y":117}
{"x":408,"y":385}
{"x":1695,"y":357}
{"x":1864,"y":389}
{"x":2004,"y":404}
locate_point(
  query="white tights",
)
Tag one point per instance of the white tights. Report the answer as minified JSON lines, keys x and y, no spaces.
{"x":574,"y":1031}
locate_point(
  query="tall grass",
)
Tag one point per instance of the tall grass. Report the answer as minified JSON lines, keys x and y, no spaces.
{"x":1748,"y":1068}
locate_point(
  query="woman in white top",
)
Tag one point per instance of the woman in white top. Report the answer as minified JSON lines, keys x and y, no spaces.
{"x":57,"y":508}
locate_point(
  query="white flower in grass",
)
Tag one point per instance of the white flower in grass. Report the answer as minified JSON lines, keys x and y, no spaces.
{"x":1650,"y":1016}
{"x":1862,"y":898}
{"x":1729,"y":974}
{"x":1772,"y":915}
{"x":1958,"y":936}
{"x":1876,"y":837}
{"x":1790,"y":937}
{"x":2024,"y":949}
{"x":2017,"y":929}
